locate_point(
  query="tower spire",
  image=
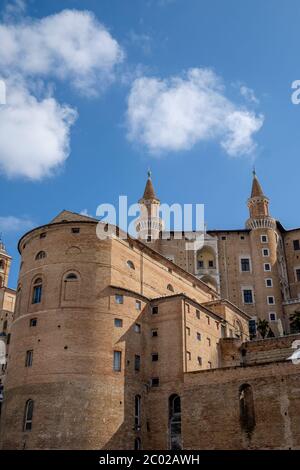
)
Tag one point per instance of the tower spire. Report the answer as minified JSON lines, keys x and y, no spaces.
{"x":256,"y":187}
{"x":149,"y":224}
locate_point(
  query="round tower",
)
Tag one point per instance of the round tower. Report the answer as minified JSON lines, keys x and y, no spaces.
{"x":149,"y":224}
{"x":265,"y":263}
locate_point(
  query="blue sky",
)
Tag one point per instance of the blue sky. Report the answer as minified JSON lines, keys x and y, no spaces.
{"x":249,"y":52}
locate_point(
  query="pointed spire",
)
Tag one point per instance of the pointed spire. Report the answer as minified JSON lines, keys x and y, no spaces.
{"x":149,"y":192}
{"x":256,"y":187}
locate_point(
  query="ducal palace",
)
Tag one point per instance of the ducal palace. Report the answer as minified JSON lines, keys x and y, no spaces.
{"x":139,"y":343}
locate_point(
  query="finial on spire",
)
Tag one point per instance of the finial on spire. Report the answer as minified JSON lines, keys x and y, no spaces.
{"x":253,"y":171}
{"x":149,"y":173}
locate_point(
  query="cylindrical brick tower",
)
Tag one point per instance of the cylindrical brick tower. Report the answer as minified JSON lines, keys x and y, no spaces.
{"x":65,"y":385}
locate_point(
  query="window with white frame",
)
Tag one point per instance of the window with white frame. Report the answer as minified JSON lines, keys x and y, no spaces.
{"x":271,"y":300}
{"x":117,"y":361}
{"x":272,"y":316}
{"x":265,"y":252}
{"x":297,"y":274}
{"x":267,"y":267}
{"x":269,"y":282}
{"x":264,"y":238}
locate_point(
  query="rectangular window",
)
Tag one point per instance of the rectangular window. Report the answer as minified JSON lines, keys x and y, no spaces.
{"x":198,"y":314}
{"x":217,"y":325}
{"x":297,"y":272}
{"x":154,"y":310}
{"x":118,"y":323}
{"x":209,"y":365}
{"x":208,"y":341}
{"x":210,"y":263}
{"x":29,"y":358}
{"x":8,"y":339}
{"x":119,"y":299}
{"x":199,"y":360}
{"x":296,"y":244}
{"x":267,"y":267}
{"x":265,"y":252}
{"x":200,"y":264}
{"x":188,"y":331}
{"x":137,"y":412}
{"x":138,"y":305}
{"x":117,"y":361}
{"x":208,"y":319}
{"x":137,"y":362}
{"x":271,"y":300}
{"x":154,"y":357}
{"x":43,"y":235}
{"x":245,"y":264}
{"x":37,"y":294}
{"x":154,"y":332}
{"x":248,"y":296}
{"x":188,"y":355}
{"x":264,"y":238}
{"x":154,"y":382}
{"x":187,"y":308}
{"x":272,"y":316}
{"x":33,"y":322}
{"x":199,"y":336}
{"x":75,"y":230}
{"x":137,"y":328}
{"x":269,"y":282}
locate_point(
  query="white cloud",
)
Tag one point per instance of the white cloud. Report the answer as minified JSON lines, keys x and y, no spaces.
{"x":14,"y":9}
{"x":34,"y":134}
{"x":248,"y":94}
{"x":71,"y":45}
{"x":11,"y":223}
{"x":174,"y":114}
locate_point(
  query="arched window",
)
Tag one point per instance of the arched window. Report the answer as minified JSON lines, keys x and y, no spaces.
{"x":37,"y":291}
{"x":28,"y":415}
{"x":40,"y":255}
{"x":71,"y":286}
{"x":137,"y":411}
{"x":247,"y":412}
{"x":2,"y":265}
{"x":175,"y":422}
{"x":130,"y":264}
{"x":170,"y":287}
{"x":137,"y":444}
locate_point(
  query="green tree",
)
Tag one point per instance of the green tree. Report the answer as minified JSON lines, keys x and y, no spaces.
{"x":263,"y":327}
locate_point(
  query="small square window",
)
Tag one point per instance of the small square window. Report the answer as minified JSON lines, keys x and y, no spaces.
{"x":138,"y":305}
{"x":223,"y":238}
{"x":154,"y":333}
{"x":242,"y":237}
{"x":267,"y":267}
{"x":264,"y":238}
{"x":296,"y":244}
{"x":154,"y":357}
{"x":137,"y":328}
{"x":199,"y":336}
{"x":43,"y":235}
{"x":271,"y":300}
{"x":269,"y":282}
{"x":210,"y":263}
{"x":265,"y":252}
{"x":198,"y":314}
{"x":119,"y":299}
{"x":33,"y":322}
{"x":75,"y":230}
{"x":200,"y":264}
{"x":154,"y":310}
{"x":272,"y":316}
{"x":154,"y":382}
{"x":118,"y":323}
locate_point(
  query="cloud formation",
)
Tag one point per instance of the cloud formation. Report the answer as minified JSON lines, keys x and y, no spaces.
{"x":11,"y":223}
{"x":34,"y":134}
{"x":71,"y":45}
{"x":168,"y":115}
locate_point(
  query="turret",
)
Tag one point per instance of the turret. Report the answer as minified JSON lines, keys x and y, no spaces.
{"x":149,"y":224}
{"x":5,"y":261}
{"x":258,"y":205}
